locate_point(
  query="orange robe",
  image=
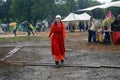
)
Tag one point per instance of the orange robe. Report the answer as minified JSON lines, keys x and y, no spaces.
{"x":57,"y":35}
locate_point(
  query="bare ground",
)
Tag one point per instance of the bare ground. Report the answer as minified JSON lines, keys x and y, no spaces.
{"x":80,"y":56}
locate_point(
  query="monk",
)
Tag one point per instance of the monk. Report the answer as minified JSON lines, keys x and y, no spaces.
{"x":57,"y":35}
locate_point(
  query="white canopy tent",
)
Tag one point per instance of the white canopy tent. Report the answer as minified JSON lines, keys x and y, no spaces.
{"x":84,"y":17}
{"x":115,"y":4}
{"x":71,"y":17}
{"x":112,"y":4}
{"x":89,"y":9}
{"x":77,"y":17}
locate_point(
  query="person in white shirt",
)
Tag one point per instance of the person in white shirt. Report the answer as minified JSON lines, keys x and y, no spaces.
{"x":92,"y":31}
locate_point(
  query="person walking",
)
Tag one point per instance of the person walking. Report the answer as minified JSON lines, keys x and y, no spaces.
{"x":29,"y":28}
{"x":92,"y":31}
{"x":15,"y":29}
{"x":57,"y":35}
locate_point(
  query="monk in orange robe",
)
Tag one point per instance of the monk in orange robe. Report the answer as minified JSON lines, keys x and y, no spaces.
{"x":57,"y":35}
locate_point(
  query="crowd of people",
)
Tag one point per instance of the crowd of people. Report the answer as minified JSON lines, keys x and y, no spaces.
{"x":82,"y":26}
{"x":5,"y":27}
{"x":97,"y":31}
{"x":102,"y":33}
{"x":23,"y":27}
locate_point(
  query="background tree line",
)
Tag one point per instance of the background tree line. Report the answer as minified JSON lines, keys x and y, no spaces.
{"x":38,"y":10}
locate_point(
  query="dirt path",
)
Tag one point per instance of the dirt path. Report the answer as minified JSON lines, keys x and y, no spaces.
{"x":84,"y":61}
{"x":77,"y":65}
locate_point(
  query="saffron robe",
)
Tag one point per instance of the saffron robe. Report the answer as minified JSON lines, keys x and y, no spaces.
{"x":57,"y":35}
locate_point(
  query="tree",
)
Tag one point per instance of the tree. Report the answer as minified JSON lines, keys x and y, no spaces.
{"x":114,"y":10}
{"x":71,"y":5}
{"x":21,"y":10}
{"x":40,"y":9}
{"x":7,"y":8}
{"x":1,"y":10}
{"x":46,"y":9}
{"x":4,"y":10}
{"x":83,"y":3}
{"x":97,"y":13}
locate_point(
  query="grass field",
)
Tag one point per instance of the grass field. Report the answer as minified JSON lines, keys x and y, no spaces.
{"x":23,"y":38}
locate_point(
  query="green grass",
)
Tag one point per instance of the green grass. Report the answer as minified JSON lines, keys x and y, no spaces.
{"x":23,"y":38}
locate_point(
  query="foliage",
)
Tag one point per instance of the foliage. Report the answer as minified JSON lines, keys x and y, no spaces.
{"x":38,"y":10}
{"x":21,"y":10}
{"x":108,"y":22}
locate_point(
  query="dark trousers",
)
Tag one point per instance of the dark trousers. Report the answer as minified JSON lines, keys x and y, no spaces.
{"x":107,"y":37}
{"x":30,"y":30}
{"x":14,"y":32}
{"x":91,"y":36}
{"x":94,"y":36}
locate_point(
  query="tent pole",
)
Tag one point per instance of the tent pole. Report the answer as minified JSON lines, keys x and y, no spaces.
{"x":75,"y":22}
{"x":91,"y":13}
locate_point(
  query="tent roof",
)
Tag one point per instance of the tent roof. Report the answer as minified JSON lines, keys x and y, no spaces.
{"x":112,"y":4}
{"x":115,"y":4}
{"x":89,"y":9}
{"x":84,"y":16}
{"x":72,"y":17}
